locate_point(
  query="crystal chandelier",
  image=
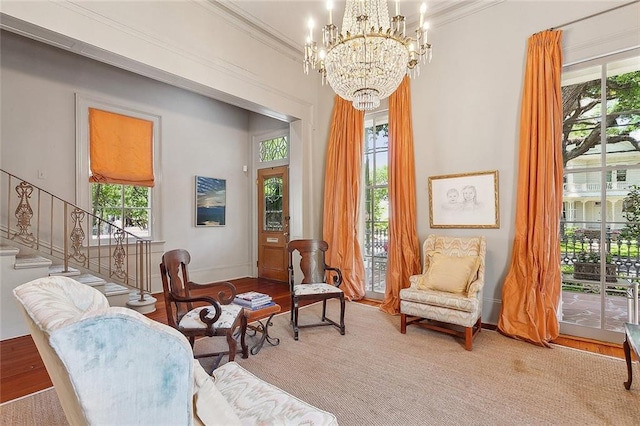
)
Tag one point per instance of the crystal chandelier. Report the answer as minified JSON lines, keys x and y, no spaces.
{"x":366,"y":61}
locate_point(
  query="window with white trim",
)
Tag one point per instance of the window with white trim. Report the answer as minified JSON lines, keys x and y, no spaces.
{"x":130,"y":207}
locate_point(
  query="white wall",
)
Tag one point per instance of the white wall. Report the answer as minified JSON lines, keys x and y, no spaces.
{"x":192,"y":44}
{"x":466,"y":105}
{"x":199,"y":136}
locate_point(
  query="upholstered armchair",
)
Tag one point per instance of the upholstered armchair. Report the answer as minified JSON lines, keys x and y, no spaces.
{"x":116,"y":366}
{"x":447,"y":296}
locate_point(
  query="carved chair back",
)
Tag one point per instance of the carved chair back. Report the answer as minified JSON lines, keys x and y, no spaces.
{"x":312,"y":263}
{"x":175,"y":281}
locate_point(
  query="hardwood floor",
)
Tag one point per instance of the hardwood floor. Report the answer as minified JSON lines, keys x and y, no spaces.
{"x":22,"y":371}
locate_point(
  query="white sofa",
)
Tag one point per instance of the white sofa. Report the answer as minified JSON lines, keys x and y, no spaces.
{"x":115,"y":366}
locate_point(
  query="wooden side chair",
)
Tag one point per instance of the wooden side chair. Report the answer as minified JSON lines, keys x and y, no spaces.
{"x":314,"y":285}
{"x":219,"y":317}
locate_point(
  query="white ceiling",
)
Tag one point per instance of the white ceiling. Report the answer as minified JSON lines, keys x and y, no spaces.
{"x":286,"y":20}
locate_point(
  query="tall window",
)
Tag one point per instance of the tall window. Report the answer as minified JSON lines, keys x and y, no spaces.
{"x":600,"y":241}
{"x":115,"y":150}
{"x":376,"y":202}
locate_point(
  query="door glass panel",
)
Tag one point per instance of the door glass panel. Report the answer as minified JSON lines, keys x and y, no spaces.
{"x":581,"y":99}
{"x":376,"y":204}
{"x":580,"y":241}
{"x":273,"y":217}
{"x":623,"y":112}
{"x":600,"y":227}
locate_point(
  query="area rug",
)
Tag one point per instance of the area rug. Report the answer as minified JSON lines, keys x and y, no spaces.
{"x":374,"y":375}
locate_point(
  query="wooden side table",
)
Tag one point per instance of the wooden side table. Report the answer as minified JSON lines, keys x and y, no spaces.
{"x":631,"y":341}
{"x":262,"y":327}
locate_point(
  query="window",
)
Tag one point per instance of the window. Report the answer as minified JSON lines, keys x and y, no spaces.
{"x":376,"y":202}
{"x":125,"y":206}
{"x":601,"y":154}
{"x":621,"y":175}
{"x":273,"y":149}
{"x":114,"y":194}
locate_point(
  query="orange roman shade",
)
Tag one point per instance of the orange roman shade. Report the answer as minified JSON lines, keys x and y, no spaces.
{"x":120,"y":149}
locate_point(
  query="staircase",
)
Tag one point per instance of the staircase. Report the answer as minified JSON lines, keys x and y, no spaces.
{"x":20,"y":268}
{"x":42,"y":234}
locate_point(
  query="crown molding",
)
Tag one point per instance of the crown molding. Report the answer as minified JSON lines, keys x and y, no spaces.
{"x":439,"y":14}
{"x":448,"y":12}
{"x":262,"y":32}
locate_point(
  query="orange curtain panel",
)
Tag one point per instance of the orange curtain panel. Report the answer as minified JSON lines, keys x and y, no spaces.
{"x":531,"y":290}
{"x":403,"y":255}
{"x":342,"y":196}
{"x":120,"y":149}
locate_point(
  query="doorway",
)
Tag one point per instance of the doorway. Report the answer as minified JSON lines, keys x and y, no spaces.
{"x":273,"y":223}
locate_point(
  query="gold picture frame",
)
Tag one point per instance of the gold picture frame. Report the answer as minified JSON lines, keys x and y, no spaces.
{"x":464,"y":200}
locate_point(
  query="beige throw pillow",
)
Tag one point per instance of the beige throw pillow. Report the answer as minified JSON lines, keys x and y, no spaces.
{"x":449,"y":273}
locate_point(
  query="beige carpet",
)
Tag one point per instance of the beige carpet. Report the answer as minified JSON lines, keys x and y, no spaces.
{"x":376,"y":376}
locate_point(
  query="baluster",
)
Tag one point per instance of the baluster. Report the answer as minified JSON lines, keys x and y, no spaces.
{"x":23,"y":214}
{"x":118,"y":254}
{"x":77,"y":236}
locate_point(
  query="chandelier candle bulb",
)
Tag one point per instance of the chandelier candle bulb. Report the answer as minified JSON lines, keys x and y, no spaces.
{"x":330,"y":9}
{"x":397,"y":8}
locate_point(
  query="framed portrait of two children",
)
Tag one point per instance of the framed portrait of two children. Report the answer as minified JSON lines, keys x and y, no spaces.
{"x":465,"y":200}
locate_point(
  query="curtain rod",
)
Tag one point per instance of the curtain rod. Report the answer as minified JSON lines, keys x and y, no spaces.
{"x":593,"y":16}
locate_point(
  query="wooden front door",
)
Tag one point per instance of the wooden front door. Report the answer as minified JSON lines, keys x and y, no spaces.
{"x":273,"y":223}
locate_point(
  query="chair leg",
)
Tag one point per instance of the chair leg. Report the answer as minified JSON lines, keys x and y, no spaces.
{"x":324,"y":310}
{"x":294,"y":311}
{"x":342,"y":305}
{"x":233,"y":347}
{"x":403,"y":323}
{"x":468,"y":337}
{"x":292,"y":302}
{"x":243,"y":332}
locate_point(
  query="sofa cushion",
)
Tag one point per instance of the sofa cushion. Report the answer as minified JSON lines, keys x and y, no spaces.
{"x":449,"y":273}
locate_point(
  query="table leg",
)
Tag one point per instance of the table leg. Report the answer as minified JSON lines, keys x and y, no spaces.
{"x":627,"y":357}
{"x":264,"y":329}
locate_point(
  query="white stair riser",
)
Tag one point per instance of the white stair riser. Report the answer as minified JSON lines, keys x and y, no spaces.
{"x":118,"y":299}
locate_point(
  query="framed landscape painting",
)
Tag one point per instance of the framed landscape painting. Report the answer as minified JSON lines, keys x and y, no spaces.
{"x":211,"y":201}
{"x":467,"y":200}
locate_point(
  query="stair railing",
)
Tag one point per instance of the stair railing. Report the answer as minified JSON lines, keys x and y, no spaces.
{"x":37,"y":219}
